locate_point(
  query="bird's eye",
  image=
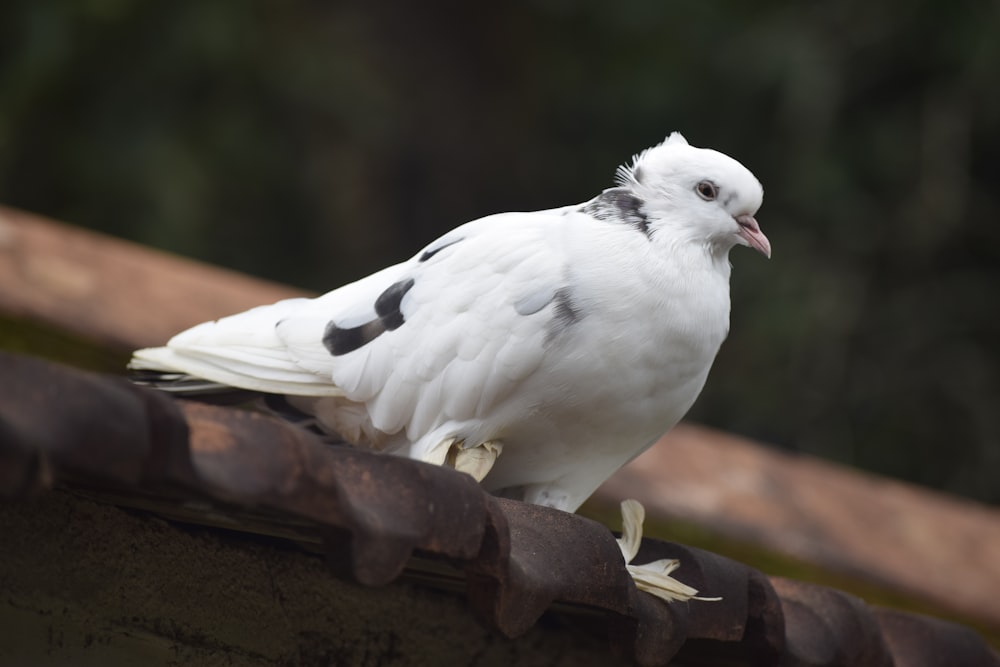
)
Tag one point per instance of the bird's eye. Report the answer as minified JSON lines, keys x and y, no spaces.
{"x":707,"y":190}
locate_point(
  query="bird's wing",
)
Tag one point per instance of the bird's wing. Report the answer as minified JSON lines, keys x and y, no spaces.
{"x":442,"y":336}
{"x":448,"y":334}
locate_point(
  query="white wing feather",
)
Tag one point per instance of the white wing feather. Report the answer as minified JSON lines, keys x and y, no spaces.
{"x":461,"y":330}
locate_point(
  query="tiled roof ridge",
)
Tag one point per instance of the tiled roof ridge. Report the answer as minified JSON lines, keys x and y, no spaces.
{"x":373,"y":513}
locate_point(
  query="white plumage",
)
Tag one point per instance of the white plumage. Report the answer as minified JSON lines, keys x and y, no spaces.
{"x":540,"y":351}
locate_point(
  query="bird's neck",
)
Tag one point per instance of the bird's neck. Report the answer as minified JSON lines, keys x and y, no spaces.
{"x":690,"y":252}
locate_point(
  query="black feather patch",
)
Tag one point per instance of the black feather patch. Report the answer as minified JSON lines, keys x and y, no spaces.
{"x":433,"y":250}
{"x":341,"y":341}
{"x":387,"y":306}
{"x":618,"y":205}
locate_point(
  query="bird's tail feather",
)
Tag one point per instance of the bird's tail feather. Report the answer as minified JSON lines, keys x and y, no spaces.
{"x":192,"y":370}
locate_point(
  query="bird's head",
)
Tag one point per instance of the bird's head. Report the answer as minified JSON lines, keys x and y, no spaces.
{"x":697,"y":194}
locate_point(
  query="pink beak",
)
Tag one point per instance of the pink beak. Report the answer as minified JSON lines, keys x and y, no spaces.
{"x":750,"y":232}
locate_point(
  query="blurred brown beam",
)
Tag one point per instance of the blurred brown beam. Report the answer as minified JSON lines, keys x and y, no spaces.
{"x":943,"y":549}
{"x":113,"y":292}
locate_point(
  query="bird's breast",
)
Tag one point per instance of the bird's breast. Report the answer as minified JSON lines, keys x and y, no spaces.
{"x":637,"y":356}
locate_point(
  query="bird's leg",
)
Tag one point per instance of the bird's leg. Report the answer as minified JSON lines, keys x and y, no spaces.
{"x":476,"y":461}
{"x":652,"y":577}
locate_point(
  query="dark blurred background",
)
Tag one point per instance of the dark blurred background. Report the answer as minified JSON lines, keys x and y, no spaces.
{"x":312,"y":143}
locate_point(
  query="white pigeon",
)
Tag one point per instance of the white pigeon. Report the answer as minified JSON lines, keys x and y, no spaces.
{"x":537,"y":351}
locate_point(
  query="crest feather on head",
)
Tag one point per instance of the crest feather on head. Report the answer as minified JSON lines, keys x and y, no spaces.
{"x":625,"y":175}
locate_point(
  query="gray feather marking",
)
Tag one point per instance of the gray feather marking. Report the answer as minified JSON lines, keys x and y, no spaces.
{"x":534,"y":302}
{"x":618,"y":205}
{"x":565,"y":314}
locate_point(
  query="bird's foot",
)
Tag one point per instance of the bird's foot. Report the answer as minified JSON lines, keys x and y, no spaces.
{"x":652,"y":577}
{"x":476,"y":461}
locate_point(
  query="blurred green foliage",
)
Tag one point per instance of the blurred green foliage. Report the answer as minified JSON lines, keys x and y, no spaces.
{"x":314,"y":142}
